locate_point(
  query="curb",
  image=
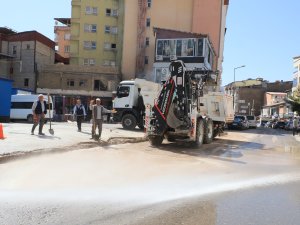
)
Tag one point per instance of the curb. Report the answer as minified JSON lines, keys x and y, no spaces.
{"x":79,"y":146}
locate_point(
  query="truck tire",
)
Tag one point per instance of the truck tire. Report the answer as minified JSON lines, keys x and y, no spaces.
{"x":30,"y":118}
{"x":208,"y":131}
{"x":199,"y":132}
{"x":129,"y":122}
{"x":156,"y":140}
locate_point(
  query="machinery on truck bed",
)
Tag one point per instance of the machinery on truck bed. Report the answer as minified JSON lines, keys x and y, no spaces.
{"x":181,"y":111}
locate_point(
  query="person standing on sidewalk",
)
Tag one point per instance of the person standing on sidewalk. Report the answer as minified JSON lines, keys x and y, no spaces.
{"x":295,"y":125}
{"x":140,"y":109}
{"x":39,"y":110}
{"x":97,"y":116}
{"x":79,"y":113}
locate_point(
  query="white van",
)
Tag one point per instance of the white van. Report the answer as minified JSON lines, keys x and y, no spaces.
{"x":21,"y":107}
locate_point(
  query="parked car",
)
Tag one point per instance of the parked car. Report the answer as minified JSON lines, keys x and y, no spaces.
{"x":251,"y":121}
{"x":279,"y":125}
{"x":239,"y":122}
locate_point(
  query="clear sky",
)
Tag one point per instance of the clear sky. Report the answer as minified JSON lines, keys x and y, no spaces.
{"x":262,"y":34}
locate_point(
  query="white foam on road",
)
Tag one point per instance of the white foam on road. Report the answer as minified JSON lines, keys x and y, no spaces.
{"x":146,"y":194}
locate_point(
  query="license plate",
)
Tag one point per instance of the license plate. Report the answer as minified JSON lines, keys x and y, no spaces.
{"x":234,"y":124}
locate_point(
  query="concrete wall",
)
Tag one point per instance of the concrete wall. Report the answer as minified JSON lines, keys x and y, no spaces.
{"x":54,"y":79}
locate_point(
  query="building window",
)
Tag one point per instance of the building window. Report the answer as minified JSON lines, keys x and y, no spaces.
{"x":107,"y":29}
{"x":106,"y":45}
{"x":82,"y":83}
{"x":114,"y":30}
{"x":26,"y":82}
{"x":106,"y":63}
{"x":14,"y":50}
{"x":67,"y":48}
{"x":115,"y":12}
{"x":67,"y":36}
{"x":90,"y":45}
{"x":113,"y":46}
{"x":91,"y":10}
{"x":28,"y":47}
{"x":70,"y":83}
{"x":99,"y":86}
{"x":146,"y":60}
{"x":149,"y":2}
{"x":90,"y":28}
{"x":147,"y":41}
{"x":148,"y":22}
{"x":89,"y":62}
{"x":108,"y":12}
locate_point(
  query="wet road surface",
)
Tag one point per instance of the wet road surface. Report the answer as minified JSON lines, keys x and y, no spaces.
{"x":249,"y":177}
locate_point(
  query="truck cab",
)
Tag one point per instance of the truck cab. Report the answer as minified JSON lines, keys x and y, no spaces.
{"x":126,"y":100}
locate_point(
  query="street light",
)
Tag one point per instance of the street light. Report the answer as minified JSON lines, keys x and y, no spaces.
{"x":236,"y":69}
{"x":239,"y":67}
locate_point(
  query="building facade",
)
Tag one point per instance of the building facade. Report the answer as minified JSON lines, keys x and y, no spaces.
{"x":23,"y":54}
{"x":249,"y":95}
{"x":195,"y":16}
{"x":62,"y":31}
{"x":296,"y":77}
{"x":96,"y":33}
{"x":275,"y":105}
{"x":195,"y":50}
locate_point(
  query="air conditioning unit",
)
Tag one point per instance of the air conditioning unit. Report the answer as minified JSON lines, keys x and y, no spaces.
{"x":159,"y":58}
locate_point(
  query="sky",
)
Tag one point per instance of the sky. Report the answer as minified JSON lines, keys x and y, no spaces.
{"x":261,"y":34}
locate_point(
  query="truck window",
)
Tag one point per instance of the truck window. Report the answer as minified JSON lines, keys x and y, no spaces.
{"x":123,"y":91}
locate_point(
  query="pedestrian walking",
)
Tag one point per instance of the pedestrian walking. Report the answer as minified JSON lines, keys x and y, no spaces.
{"x":97,"y":116}
{"x":140,"y":109}
{"x":295,"y":125}
{"x":80,"y":113}
{"x":39,"y":110}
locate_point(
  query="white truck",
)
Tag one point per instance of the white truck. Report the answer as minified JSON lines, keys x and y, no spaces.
{"x":183,"y":112}
{"x":125,"y":102}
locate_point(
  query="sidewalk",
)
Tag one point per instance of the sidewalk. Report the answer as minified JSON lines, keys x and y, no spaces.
{"x":19,"y":139}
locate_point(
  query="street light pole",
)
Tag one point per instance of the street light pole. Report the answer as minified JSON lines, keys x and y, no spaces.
{"x":234,"y":103}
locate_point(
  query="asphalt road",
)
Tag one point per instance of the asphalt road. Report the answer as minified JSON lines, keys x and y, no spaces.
{"x":248,"y":177}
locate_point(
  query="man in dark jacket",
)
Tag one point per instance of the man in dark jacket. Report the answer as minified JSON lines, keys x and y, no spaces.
{"x":140,"y":109}
{"x":79,"y":113}
{"x":39,"y":110}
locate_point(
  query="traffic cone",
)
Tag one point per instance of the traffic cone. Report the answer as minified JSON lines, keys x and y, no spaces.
{"x":1,"y":132}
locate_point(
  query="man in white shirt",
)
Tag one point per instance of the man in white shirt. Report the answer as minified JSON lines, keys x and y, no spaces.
{"x":39,"y":110}
{"x":97,"y":115}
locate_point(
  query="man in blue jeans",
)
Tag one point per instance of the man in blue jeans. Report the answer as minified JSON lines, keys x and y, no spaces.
{"x":39,"y":110}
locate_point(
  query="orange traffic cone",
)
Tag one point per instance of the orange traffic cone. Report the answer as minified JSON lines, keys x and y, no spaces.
{"x":1,"y":132}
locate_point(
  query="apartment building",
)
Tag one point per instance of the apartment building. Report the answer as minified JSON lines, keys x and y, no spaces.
{"x":22,"y":56}
{"x":194,"y":16}
{"x":62,"y":31}
{"x":96,"y":33}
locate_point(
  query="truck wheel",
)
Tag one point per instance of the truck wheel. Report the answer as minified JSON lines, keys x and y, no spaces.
{"x":208,"y":131}
{"x":129,"y":122}
{"x":30,"y":118}
{"x":156,"y":141}
{"x":199,"y":133}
